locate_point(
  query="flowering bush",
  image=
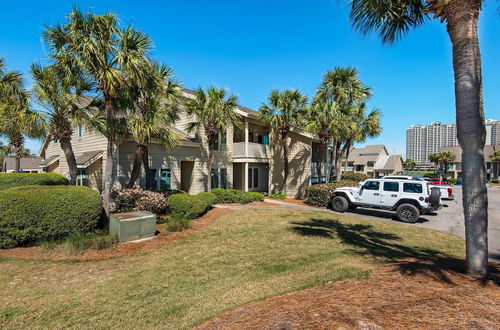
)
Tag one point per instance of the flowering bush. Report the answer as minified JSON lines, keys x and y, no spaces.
{"x":130,"y":200}
{"x":352,"y":176}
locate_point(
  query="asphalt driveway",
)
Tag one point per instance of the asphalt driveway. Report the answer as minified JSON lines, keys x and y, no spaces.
{"x":450,"y":218}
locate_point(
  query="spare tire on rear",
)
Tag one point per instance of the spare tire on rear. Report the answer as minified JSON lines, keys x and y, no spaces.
{"x":339,"y":204}
{"x":435,"y":197}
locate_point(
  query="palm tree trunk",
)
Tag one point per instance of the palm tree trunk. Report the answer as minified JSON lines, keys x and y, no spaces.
{"x":149,"y":176}
{"x":109,"y":170}
{"x":211,"y":147}
{"x":322,"y":147}
{"x":335,"y":159}
{"x":285,"y":160}
{"x":67,"y":148}
{"x":136,"y":169}
{"x":462,"y":21}
{"x":17,"y":142}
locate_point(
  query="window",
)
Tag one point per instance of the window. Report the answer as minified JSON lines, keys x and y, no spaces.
{"x":221,"y":142}
{"x":250,"y":137}
{"x":259,"y":139}
{"x":372,"y":185}
{"x":253,"y":177}
{"x":80,"y":131}
{"x":215,"y":178}
{"x":391,"y":186}
{"x":82,"y":178}
{"x":223,"y":178}
{"x":412,"y":188}
{"x":165,"y":179}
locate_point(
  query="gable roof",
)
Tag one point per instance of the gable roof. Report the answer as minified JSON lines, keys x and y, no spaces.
{"x":488,"y":151}
{"x":87,"y":158}
{"x":388,"y":162}
{"x":27,"y":163}
{"x":361,"y":156}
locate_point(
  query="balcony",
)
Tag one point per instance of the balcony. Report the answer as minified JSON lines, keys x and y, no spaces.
{"x":250,"y":150}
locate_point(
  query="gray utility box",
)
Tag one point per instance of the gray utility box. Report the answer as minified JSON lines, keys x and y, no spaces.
{"x":132,"y":226}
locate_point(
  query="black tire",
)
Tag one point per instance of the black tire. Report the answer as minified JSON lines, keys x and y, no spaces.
{"x":435,"y":197}
{"x":340,"y":204}
{"x":407,"y":213}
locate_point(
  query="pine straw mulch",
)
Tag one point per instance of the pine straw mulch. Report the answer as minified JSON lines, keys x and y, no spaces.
{"x":410,"y":294}
{"x":120,"y":249}
{"x":292,"y":201}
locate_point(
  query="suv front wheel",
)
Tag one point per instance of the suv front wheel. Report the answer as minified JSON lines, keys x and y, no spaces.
{"x":339,"y":204}
{"x":407,"y":213}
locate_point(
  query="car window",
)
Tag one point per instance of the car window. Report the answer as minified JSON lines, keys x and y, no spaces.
{"x":412,"y":188}
{"x":372,"y":185}
{"x":391,"y":186}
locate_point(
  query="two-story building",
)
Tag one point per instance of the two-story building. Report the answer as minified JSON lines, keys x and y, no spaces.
{"x":455,"y":167}
{"x":248,"y":157}
{"x":374,"y":161}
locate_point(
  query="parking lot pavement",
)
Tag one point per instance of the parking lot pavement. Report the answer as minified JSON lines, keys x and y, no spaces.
{"x":450,"y":218}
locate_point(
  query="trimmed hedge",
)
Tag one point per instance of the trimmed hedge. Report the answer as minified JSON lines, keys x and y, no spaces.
{"x":208,"y":197}
{"x":30,"y":214}
{"x":320,"y":194}
{"x":187,"y":205}
{"x":353,"y":176}
{"x":9,"y":180}
{"x":237,"y":196}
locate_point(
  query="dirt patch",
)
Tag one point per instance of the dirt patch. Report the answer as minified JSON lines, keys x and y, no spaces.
{"x":293,"y":201}
{"x":120,"y":249}
{"x":251,"y":204}
{"x":424,"y":293}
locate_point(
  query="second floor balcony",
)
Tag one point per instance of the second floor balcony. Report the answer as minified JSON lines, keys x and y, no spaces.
{"x":250,"y":150}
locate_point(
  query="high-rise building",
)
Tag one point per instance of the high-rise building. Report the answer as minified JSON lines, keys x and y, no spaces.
{"x":423,"y":140}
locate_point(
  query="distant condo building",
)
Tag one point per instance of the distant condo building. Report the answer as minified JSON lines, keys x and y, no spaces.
{"x":423,"y":140}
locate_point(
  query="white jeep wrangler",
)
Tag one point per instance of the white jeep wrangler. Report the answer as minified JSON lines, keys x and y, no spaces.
{"x":409,"y":198}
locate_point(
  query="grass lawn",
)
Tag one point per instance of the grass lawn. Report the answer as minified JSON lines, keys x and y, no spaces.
{"x":243,"y":257}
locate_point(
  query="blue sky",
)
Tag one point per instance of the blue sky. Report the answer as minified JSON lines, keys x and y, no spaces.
{"x":251,"y":47}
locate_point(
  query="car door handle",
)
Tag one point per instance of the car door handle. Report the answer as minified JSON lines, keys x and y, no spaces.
{"x":376,"y":194}
{"x":394,"y":195}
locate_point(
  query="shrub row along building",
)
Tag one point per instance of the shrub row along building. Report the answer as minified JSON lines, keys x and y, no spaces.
{"x":247,"y":158}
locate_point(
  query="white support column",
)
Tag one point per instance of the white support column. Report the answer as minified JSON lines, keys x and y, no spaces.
{"x":245,"y":176}
{"x":246,"y":138}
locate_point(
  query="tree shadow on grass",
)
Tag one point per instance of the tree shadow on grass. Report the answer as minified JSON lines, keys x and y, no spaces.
{"x":365,"y":240}
{"x":362,"y":239}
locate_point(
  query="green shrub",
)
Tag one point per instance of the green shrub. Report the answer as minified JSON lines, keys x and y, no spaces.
{"x":79,"y":242}
{"x":236,"y":196}
{"x":452,"y":180}
{"x":31,"y":214}
{"x":187,"y":205}
{"x":177,"y":222}
{"x":430,"y":175}
{"x":209,"y":198}
{"x":320,"y":194}
{"x":492,"y":181}
{"x":353,"y":176}
{"x":8,"y":180}
{"x":277,"y":195}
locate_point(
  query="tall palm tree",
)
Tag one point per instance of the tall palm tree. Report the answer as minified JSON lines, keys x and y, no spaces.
{"x":343,"y":85}
{"x":495,"y":159}
{"x":109,"y":56}
{"x":392,"y":19}
{"x":60,"y":97}
{"x":446,"y":157}
{"x":282,"y":111}
{"x":155,"y":102}
{"x":409,"y":164}
{"x":214,"y":112}
{"x":434,"y":158}
{"x":17,"y":120}
{"x":321,"y":118}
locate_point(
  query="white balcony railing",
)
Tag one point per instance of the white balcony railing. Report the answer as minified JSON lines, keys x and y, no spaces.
{"x":250,"y":150}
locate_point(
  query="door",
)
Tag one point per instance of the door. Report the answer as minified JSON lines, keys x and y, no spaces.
{"x":389,"y":195}
{"x":370,"y":193}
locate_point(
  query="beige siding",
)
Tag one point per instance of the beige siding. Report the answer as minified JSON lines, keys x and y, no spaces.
{"x":299,"y":176}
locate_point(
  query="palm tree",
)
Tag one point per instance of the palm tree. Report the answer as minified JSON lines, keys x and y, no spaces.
{"x":495,"y":158}
{"x":392,"y":19}
{"x":446,"y":157}
{"x":60,"y":98}
{"x":343,"y":85}
{"x":434,"y":158}
{"x":409,"y":164}
{"x":17,"y":120}
{"x":155,"y":101}
{"x":282,"y":111}
{"x":321,"y":119}
{"x":110,"y":57}
{"x":214,"y":112}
